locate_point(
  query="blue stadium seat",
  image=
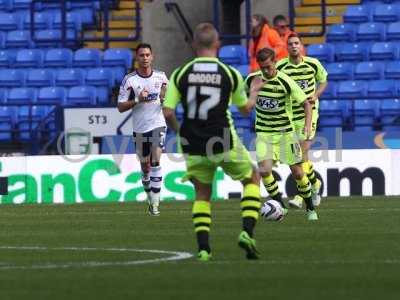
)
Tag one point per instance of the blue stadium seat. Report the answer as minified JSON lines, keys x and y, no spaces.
{"x":369,"y":70}
{"x":357,"y":14}
{"x":40,"y":77}
{"x":118,"y":74}
{"x":367,"y":106}
{"x":69,"y":77}
{"x":352,"y":89}
{"x":5,"y":131}
{"x":393,"y":31}
{"x":365,"y":113}
{"x":179,"y":112}
{"x":87,"y":57}
{"x":52,"y":95}
{"x":233,"y":54}
{"x":340,"y":71}
{"x":26,"y":130}
{"x":384,"y":51}
{"x":81,"y":95}
{"x":341,"y":33}
{"x":331,"y":113}
{"x":12,"y":78}
{"x":2,"y":40}
{"x":49,"y":5}
{"x":382,"y":88}
{"x":10,"y":21}
{"x":102,"y":95}
{"x":352,"y":52}
{"x":243,"y":69}
{"x":386,"y":13}
{"x":58,"y":57}
{"x":29,"y":58}
{"x":235,"y":112}
{"x":87,"y":15}
{"x":243,"y":122}
{"x":21,"y":95}
{"x":52,"y":37}
{"x":324,"y":52}
{"x":18,"y":39}
{"x":117,"y":57}
{"x":100,"y":77}
{"x":21,"y":4}
{"x":392,"y":70}
{"x":371,"y":32}
{"x":6,"y":123}
{"x":30,"y":112}
{"x":6,"y":58}
{"x":84,"y":4}
{"x":3,"y":95}
{"x":73,"y":21}
{"x":6,"y":114}
{"x":103,"y":79}
{"x":390,"y":112}
{"x":42,"y":20}
{"x":330,"y":91}
{"x":5,"y":5}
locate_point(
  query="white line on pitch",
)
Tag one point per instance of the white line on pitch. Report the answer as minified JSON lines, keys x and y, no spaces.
{"x":175,"y":257}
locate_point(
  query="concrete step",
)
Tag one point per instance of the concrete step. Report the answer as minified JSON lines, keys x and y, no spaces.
{"x":124,"y":4}
{"x":313,"y":40}
{"x":315,"y":11}
{"x":317,"y":20}
{"x":330,"y":2}
{"x":126,"y":14}
{"x":100,"y":45}
{"x":308,"y":29}
{"x":112,"y":33}
{"x":122,"y":24}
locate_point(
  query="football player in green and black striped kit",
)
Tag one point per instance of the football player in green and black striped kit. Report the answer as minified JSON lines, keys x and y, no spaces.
{"x":206,"y":88}
{"x":275,"y":93}
{"x":311,"y":76}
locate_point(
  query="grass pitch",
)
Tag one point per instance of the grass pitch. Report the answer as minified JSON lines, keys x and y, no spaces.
{"x":353,"y":252}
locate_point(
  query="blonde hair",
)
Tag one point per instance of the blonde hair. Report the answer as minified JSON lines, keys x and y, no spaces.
{"x":205,"y":35}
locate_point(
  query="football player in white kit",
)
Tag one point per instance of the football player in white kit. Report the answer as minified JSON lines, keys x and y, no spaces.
{"x":143,"y":91}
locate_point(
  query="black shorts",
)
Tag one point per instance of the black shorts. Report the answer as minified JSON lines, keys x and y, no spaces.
{"x":144,"y":142}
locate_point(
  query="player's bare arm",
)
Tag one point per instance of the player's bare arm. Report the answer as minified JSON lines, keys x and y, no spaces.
{"x":308,"y":118}
{"x":170,"y":118}
{"x":256,"y":84}
{"x":129,"y":104}
{"x":321,"y":88}
{"x":124,"y":106}
{"x":163,"y":91}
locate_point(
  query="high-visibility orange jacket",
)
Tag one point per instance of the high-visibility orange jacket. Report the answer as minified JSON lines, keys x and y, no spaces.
{"x":268,"y":38}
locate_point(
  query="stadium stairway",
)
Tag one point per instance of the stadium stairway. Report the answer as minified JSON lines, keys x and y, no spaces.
{"x":122,"y":25}
{"x":308,"y":16}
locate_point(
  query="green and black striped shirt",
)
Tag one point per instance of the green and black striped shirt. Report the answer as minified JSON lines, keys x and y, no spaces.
{"x":205,"y":87}
{"x":307,"y":74}
{"x":274,"y":103}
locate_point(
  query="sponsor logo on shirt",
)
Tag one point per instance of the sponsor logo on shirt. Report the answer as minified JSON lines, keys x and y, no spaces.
{"x":267,"y":104}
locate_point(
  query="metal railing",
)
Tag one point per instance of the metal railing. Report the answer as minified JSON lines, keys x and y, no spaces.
{"x":292,"y":16}
{"x":102,"y":22}
{"x":173,"y":7}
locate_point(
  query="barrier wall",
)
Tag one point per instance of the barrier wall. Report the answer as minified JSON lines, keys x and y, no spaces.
{"x":107,"y":178}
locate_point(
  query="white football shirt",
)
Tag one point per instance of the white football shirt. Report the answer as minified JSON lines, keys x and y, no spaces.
{"x":147,"y":115}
